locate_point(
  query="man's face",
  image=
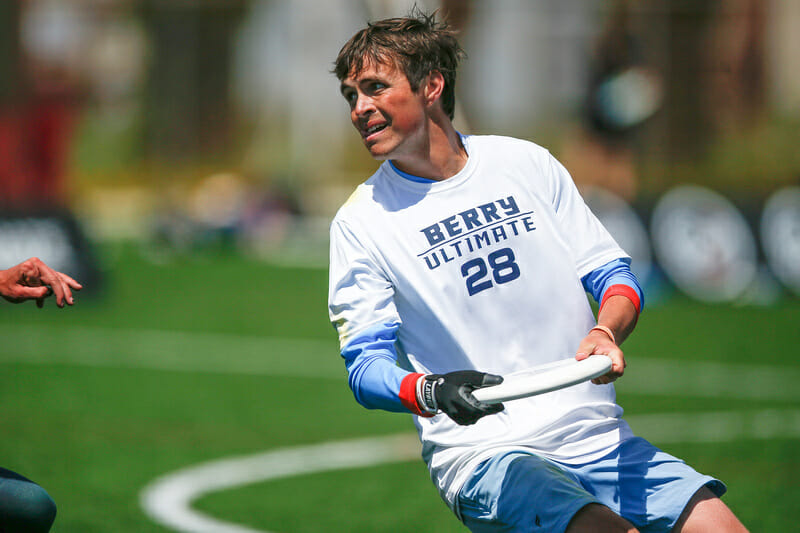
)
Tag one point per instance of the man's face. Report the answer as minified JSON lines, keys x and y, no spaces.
{"x":388,"y":115}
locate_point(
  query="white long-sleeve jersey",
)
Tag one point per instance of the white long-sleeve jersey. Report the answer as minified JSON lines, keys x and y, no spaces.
{"x":480,"y":271}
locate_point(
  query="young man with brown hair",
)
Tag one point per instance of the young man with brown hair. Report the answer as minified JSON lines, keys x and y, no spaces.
{"x":464,"y":258}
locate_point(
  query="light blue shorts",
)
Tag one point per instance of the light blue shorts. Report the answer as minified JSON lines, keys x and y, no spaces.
{"x":517,"y":491}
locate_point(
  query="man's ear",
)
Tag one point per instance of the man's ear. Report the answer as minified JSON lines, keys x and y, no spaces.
{"x":433,"y":87}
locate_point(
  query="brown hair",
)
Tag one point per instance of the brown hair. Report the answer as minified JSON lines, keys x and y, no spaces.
{"x":417,"y":45}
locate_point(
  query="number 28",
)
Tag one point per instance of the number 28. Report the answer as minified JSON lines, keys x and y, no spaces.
{"x":503,"y":269}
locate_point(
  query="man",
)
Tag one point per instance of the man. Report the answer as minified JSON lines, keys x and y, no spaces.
{"x":464,"y":258}
{"x":24,"y":505}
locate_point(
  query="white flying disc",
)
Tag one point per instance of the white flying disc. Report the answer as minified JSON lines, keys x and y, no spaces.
{"x":544,"y":378}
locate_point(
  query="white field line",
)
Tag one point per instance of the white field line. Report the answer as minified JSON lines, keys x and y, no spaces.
{"x":256,"y":355}
{"x":168,"y":500}
{"x":171,"y":350}
{"x":710,"y":379}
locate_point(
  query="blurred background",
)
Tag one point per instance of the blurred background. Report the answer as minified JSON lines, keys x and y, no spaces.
{"x":181,"y":125}
{"x":183,"y":159}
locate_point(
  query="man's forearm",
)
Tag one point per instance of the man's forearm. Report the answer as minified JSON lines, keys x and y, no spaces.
{"x":619,"y":314}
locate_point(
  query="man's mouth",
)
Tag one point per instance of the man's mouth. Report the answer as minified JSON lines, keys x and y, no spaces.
{"x":368,"y":132}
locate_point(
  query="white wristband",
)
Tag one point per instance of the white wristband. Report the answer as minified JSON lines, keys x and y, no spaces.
{"x":607,"y":331}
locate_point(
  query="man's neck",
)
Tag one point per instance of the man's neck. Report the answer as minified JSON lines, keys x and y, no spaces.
{"x":442,"y":157}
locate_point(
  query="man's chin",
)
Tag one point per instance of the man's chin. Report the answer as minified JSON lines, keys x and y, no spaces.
{"x":377,"y":153}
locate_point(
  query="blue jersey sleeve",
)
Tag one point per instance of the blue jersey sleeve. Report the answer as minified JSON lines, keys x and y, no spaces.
{"x":373,"y":374}
{"x":616,"y":272}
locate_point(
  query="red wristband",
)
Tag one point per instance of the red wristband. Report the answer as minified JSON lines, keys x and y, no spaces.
{"x":622,"y":290}
{"x":408,"y":394}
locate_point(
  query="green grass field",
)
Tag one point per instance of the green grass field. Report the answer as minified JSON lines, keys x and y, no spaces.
{"x":203,"y":359}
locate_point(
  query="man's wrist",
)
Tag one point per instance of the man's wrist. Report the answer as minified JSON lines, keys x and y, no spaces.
{"x":426,"y":398}
{"x":411,"y":395}
{"x":605,"y":330}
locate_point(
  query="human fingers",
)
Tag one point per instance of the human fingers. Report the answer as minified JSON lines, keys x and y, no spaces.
{"x":592,"y":344}
{"x":618,"y":365}
{"x":20,"y":293}
{"x":585,"y":349}
{"x":44,"y":275}
{"x":58,"y":287}
{"x":70,"y":281}
{"x":69,"y":284}
{"x":66,"y":284}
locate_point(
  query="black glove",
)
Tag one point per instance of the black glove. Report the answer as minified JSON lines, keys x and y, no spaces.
{"x":452,"y":393}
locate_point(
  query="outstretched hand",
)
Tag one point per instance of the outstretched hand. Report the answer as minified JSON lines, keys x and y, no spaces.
{"x":34,"y":280}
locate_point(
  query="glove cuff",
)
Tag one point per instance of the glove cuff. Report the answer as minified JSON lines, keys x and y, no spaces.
{"x":426,"y":396}
{"x":410,"y":395}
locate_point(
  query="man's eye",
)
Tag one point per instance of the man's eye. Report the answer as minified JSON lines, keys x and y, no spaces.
{"x":350,"y":97}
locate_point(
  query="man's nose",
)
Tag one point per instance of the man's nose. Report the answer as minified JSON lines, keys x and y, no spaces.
{"x":363,"y":105}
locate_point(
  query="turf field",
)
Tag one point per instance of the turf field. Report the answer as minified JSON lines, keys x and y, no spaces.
{"x":216,"y":357}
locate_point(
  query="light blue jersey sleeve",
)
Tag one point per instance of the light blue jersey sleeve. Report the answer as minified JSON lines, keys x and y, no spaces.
{"x":373,"y":374}
{"x":361,"y":307}
{"x":616,"y":272}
